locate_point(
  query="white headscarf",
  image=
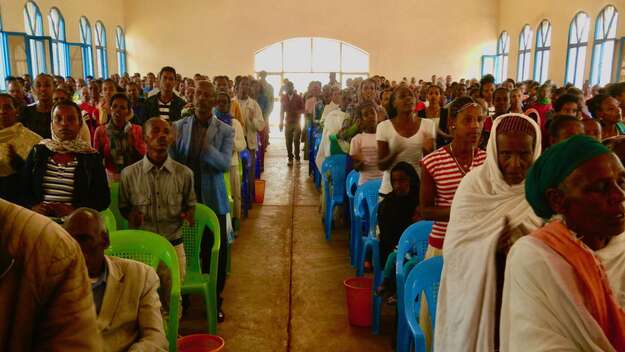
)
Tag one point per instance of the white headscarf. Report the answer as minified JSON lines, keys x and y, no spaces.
{"x":77,"y":145}
{"x":465,"y":319}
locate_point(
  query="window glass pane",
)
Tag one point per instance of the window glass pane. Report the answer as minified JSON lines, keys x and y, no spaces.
{"x":326,"y":55}
{"x":297,"y":55}
{"x":75,"y":53}
{"x":581,"y":60}
{"x":354,"y":59}
{"x":269,"y":59}
{"x":17,"y":55}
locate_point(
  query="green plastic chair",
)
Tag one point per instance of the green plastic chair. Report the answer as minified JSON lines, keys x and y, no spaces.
{"x":122,"y":223}
{"x":229,"y":192}
{"x":150,"y":248}
{"x":109,"y":220}
{"x":195,"y":281}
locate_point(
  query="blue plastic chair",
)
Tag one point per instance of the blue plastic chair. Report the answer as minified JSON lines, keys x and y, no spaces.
{"x":316,"y":171}
{"x":351,"y":185}
{"x":310,"y":132}
{"x":414,"y":240}
{"x":424,"y":277}
{"x":245,"y":188}
{"x":333,"y":174}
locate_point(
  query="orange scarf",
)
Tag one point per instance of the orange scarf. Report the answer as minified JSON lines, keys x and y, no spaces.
{"x":235,"y":111}
{"x":593,"y":281}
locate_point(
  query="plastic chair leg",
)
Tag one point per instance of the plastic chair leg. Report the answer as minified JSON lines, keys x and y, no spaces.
{"x":328,"y":219}
{"x":377,"y":281}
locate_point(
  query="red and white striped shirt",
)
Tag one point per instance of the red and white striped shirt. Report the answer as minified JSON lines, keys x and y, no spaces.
{"x":447,"y":175}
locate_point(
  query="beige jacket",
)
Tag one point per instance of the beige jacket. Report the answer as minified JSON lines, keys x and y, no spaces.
{"x":130,"y":315}
{"x":45,"y":298}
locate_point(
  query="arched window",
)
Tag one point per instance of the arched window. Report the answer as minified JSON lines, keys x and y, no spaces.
{"x":302,"y":60}
{"x":603,"y":46}
{"x":121,"y":50}
{"x":543,"y":48}
{"x":576,"y":49}
{"x":501,"y":59}
{"x":100,"y":49}
{"x":35,"y":43}
{"x":60,"y":51}
{"x":525,"y":50}
{"x":4,"y":50}
{"x":87,"y":51}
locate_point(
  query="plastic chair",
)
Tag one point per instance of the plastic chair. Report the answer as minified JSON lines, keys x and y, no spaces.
{"x":122,"y":223}
{"x":109,"y":220}
{"x":245,"y":189}
{"x":150,"y":248}
{"x":414,"y":240}
{"x":333,"y":165}
{"x":316,"y":171}
{"x":195,"y":281}
{"x":351,"y":184}
{"x":231,"y":201}
{"x":424,"y":277}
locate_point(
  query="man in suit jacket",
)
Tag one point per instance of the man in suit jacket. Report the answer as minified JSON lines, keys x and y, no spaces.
{"x":204,"y":144}
{"x":124,"y":291}
{"x":165,"y":103}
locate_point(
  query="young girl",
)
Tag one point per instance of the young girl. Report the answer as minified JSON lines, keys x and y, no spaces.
{"x":363,"y":147}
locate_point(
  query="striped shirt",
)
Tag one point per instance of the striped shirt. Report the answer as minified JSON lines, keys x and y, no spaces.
{"x":447,"y":175}
{"x":163,"y":109}
{"x":58,"y":182}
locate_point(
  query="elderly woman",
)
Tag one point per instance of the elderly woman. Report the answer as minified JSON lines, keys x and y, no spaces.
{"x":64,"y":173}
{"x":564,"y":283}
{"x":16,"y":141}
{"x":119,"y":142}
{"x":488,"y":209}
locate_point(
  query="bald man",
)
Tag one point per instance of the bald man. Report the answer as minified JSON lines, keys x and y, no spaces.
{"x":204,"y":144}
{"x":124,"y":291}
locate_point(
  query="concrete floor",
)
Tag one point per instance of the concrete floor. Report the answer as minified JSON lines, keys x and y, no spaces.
{"x":285,"y":291}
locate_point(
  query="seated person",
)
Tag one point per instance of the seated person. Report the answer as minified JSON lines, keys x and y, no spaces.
{"x":45,"y":296}
{"x":592,"y":128}
{"x":488,"y":209}
{"x":124,"y":291}
{"x":118,"y":141}
{"x":364,"y":146}
{"x":563,"y":127}
{"x":64,"y":172}
{"x":564,"y":282}
{"x":567,"y":104}
{"x":606,"y":110}
{"x":16,"y":141}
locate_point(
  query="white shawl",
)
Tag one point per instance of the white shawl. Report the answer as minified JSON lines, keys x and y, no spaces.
{"x":543,"y":309}
{"x":465,"y":317}
{"x":332,"y":125}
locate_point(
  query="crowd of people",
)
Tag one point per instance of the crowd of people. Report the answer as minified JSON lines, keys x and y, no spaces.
{"x":524,"y":183}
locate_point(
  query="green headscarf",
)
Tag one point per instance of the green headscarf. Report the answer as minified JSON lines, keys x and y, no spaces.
{"x":556,"y":163}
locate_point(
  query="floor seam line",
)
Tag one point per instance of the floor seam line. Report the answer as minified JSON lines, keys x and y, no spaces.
{"x":292,"y":229}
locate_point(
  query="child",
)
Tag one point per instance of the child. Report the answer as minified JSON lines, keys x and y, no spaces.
{"x":364,"y":147}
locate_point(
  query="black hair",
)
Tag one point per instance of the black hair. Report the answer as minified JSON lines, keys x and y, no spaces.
{"x":616,"y":89}
{"x":392,"y":112}
{"x":501,"y":90}
{"x":409,"y":170}
{"x":166,"y":69}
{"x":458,"y":103}
{"x":488,"y":78}
{"x":71,"y":104}
{"x":594,"y":104}
{"x":120,"y":96}
{"x":13,"y":100}
{"x":558,"y":122}
{"x":563,"y":100}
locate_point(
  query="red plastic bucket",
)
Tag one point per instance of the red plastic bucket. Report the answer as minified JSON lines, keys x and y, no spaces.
{"x":259,"y":188}
{"x":200,"y":343}
{"x":358,"y":293}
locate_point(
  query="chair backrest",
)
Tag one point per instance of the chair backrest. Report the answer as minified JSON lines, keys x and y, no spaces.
{"x":424,"y":277}
{"x":122,"y":223}
{"x":414,"y":240}
{"x":150,"y":248}
{"x":335,"y":164}
{"x":192,"y":238}
{"x":109,"y":220}
{"x":366,"y":201}
{"x":351,"y":184}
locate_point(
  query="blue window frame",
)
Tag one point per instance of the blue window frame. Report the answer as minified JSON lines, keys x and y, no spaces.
{"x":36,"y":43}
{"x":543,"y":50}
{"x":603,"y":46}
{"x":87,"y":50}
{"x":576,"y":49}
{"x":100,"y":49}
{"x":501,"y":59}
{"x":60,"y":50}
{"x":4,"y":57}
{"x":525,"y":50}
{"x":121,"y":50}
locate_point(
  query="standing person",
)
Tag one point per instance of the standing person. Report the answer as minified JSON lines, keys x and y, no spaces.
{"x":269,"y":95}
{"x":332,"y":123}
{"x":37,"y":117}
{"x":487,"y":89}
{"x":204,"y":144}
{"x":488,"y":210}
{"x":253,"y":123}
{"x":15,"y":89}
{"x":157,"y":194}
{"x":16,"y":141}
{"x":516,"y":101}
{"x":45,"y":293}
{"x":310,"y":103}
{"x":291,"y":111}
{"x":404,"y":137}
{"x":119,"y":142}
{"x":363,"y":147}
{"x":437,"y":114}
{"x":165,"y":103}
{"x":137,"y":103}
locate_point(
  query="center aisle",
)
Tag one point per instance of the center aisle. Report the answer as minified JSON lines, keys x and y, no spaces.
{"x":285,"y":290}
